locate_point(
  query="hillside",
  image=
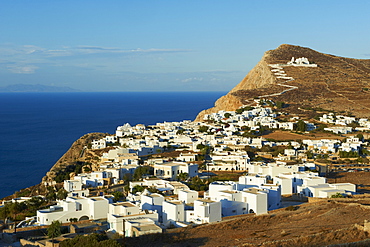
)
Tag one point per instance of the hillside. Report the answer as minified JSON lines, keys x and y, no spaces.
{"x":336,"y":84}
{"x":322,"y":223}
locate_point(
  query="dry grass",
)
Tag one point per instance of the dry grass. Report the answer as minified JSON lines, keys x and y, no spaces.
{"x":285,"y":135}
{"x":314,"y":224}
{"x":338,"y":84}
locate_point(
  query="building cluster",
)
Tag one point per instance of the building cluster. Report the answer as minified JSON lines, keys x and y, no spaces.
{"x":344,"y":124}
{"x":257,"y":192}
{"x":302,"y":61}
{"x":171,"y":203}
{"x":253,"y":119}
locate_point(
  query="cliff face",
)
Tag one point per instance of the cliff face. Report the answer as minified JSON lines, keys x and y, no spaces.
{"x":259,"y":76}
{"x":227,"y":102}
{"x":75,"y":154}
{"x":337,"y":83}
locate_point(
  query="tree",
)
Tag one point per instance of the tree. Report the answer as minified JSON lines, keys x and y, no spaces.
{"x":182,"y":176}
{"x":280,"y":104}
{"x":337,"y":195}
{"x":4,"y":212}
{"x":54,"y":230}
{"x":360,"y":136}
{"x":227,"y":115}
{"x":142,"y":170}
{"x":310,"y":155}
{"x":15,"y":208}
{"x":137,"y":188}
{"x":203,"y":128}
{"x":180,"y":131}
{"x":117,"y":195}
{"x":62,"y":194}
{"x":301,"y":126}
{"x":200,"y":146}
{"x":51,"y":195}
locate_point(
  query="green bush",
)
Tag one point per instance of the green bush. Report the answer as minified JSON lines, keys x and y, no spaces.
{"x":291,"y":208}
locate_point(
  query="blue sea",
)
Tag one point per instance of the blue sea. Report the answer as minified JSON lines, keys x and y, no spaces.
{"x":36,"y":129}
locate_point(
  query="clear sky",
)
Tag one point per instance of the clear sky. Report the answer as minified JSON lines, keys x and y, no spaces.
{"x":166,"y":45}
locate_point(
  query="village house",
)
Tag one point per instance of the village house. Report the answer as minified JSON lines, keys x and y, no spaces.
{"x":188,"y":196}
{"x":170,"y":170}
{"x":326,"y":190}
{"x":172,"y":212}
{"x":74,"y":188}
{"x":205,"y":211}
{"x":126,"y":219}
{"x":81,"y":208}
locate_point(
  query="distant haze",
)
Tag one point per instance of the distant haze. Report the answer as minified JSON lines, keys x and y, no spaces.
{"x":35,"y":88}
{"x":161,"y":45}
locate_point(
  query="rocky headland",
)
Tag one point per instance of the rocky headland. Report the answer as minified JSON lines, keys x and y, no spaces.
{"x":337,"y":83}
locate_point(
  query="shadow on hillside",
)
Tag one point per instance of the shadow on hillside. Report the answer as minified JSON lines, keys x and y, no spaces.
{"x":178,"y":239}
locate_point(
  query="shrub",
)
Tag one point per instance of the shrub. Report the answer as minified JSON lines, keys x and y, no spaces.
{"x":291,"y":208}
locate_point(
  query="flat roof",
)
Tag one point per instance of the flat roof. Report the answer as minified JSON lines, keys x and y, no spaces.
{"x":175,"y":202}
{"x":154,"y":195}
{"x":148,"y":227}
{"x":152,"y":179}
{"x":320,"y":186}
{"x":229,"y":191}
{"x":124,"y":204}
{"x":97,"y":198}
{"x":205,"y":200}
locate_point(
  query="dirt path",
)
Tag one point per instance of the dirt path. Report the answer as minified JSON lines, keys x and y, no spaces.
{"x":280,"y":74}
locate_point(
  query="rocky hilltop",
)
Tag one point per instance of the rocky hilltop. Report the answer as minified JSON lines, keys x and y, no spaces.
{"x":76,"y":155}
{"x":336,"y":83}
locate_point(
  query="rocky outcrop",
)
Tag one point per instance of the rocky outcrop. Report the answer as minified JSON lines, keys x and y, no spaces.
{"x":259,"y":76}
{"x":335,"y":83}
{"x":227,"y":102}
{"x":74,"y":154}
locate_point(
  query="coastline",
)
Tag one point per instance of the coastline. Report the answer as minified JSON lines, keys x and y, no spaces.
{"x":39,"y":128}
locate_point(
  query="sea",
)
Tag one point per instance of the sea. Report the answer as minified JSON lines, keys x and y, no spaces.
{"x":36,"y":129}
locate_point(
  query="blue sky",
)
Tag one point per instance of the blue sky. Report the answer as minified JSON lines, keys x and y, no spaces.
{"x":166,"y":45}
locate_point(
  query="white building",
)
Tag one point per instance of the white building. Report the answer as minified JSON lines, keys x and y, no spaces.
{"x":205,"y":211}
{"x":188,"y":196}
{"x":326,"y":190}
{"x":82,"y":208}
{"x":253,"y":179}
{"x":145,"y":222}
{"x":170,"y":170}
{"x":74,"y":188}
{"x":257,"y":200}
{"x":173,"y":211}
